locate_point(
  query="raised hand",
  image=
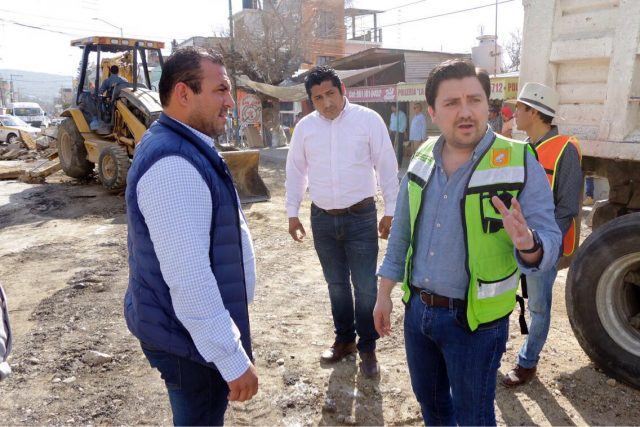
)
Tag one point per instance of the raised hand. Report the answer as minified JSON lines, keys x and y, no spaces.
{"x":514,"y":223}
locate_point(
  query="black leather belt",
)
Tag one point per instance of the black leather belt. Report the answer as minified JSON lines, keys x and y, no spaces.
{"x":434,"y":300}
{"x":353,"y":208}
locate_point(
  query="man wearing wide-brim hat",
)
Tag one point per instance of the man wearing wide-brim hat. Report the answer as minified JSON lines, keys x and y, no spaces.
{"x":536,"y":107}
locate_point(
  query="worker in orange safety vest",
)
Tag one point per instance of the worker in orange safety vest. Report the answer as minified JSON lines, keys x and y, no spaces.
{"x":560,"y":156}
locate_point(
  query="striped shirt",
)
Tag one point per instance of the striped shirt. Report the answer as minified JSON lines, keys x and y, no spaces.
{"x":176,"y":204}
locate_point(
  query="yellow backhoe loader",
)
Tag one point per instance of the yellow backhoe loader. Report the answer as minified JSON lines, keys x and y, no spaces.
{"x":102,"y":131}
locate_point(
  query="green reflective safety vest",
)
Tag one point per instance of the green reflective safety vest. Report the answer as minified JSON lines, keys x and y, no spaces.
{"x":490,"y":261}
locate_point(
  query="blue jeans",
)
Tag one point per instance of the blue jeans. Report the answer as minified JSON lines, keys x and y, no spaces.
{"x":453,"y":371}
{"x":540,"y":291}
{"x":347,"y":246}
{"x":198,"y":394}
{"x":589,"y":186}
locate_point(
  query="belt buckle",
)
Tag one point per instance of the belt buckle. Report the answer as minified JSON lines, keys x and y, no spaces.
{"x":426,"y":298}
{"x":431,"y":299}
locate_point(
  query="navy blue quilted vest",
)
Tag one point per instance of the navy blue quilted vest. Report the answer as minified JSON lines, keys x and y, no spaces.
{"x":148,"y":309}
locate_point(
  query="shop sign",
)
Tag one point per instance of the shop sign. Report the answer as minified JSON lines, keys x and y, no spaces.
{"x":504,"y":88}
{"x":411,"y":92}
{"x":385,"y":93}
{"x":250,"y":109}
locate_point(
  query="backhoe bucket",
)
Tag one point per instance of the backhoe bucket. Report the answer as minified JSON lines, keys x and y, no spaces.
{"x":244,"y":169}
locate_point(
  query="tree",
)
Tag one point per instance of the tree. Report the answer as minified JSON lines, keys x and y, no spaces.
{"x":513,"y":47}
{"x":269,"y":44}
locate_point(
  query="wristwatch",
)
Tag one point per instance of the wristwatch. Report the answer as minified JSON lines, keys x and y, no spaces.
{"x":537,"y":244}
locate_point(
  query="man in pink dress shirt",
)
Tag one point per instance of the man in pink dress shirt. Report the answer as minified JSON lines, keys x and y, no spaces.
{"x":340,"y":152}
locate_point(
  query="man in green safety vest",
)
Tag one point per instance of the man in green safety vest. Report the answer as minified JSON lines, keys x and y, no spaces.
{"x":474,"y":212}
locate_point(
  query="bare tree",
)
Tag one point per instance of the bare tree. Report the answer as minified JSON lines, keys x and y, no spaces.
{"x":513,"y":47}
{"x":269,"y":43}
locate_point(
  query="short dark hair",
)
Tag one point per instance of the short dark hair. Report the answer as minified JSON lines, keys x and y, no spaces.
{"x":545,"y":118}
{"x":454,"y":69}
{"x":114,"y":69}
{"x":183,"y":66}
{"x":319,"y":74}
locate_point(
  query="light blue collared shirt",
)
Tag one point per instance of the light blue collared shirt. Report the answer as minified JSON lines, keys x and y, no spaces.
{"x":440,"y":253}
{"x":418,"y":130}
{"x":398,"y":122}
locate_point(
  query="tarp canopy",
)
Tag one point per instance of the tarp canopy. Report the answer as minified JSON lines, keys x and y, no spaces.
{"x":298,"y":92}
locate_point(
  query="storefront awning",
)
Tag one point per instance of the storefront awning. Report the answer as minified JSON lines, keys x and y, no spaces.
{"x":298,"y":92}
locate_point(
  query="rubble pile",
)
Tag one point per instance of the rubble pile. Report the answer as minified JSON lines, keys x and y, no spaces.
{"x":30,"y":160}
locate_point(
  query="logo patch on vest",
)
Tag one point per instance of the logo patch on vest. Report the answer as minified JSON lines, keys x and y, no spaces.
{"x":500,"y":157}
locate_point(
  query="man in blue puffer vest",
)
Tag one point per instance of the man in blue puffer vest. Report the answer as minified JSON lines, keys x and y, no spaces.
{"x":191,"y":261}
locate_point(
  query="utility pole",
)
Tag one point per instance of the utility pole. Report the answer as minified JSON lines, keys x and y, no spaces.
{"x":11,"y":88}
{"x":2,"y":98}
{"x":495,"y":44}
{"x":234,"y":89}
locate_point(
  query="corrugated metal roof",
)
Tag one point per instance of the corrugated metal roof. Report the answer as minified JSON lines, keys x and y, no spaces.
{"x":418,"y":65}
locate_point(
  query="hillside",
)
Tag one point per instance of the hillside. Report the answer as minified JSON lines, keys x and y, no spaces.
{"x":42,"y":87}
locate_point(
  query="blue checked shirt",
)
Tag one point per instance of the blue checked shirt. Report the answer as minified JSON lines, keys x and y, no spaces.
{"x":176,"y":204}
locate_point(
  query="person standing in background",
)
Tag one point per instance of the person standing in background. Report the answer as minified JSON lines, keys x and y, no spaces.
{"x":418,"y":129}
{"x":560,"y":157}
{"x":397,"y":127}
{"x":507,"y":122}
{"x":495,"y":119}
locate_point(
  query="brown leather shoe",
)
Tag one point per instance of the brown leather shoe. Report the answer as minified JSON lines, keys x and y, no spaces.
{"x":518,"y":376}
{"x":338,"y":351}
{"x":369,"y":364}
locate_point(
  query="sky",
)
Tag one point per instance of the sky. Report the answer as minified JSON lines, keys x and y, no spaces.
{"x":35,"y":34}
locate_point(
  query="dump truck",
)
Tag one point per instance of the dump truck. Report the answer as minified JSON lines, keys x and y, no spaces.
{"x":588,"y":51}
{"x":101,"y":131}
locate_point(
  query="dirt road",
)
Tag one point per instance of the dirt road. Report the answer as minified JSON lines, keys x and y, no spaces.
{"x":63,"y":262}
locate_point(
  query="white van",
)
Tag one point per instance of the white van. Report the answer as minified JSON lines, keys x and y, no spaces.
{"x":30,"y":112}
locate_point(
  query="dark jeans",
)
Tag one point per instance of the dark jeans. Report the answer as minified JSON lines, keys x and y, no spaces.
{"x":399,"y":145}
{"x":453,"y":371}
{"x":347,"y":246}
{"x":198,"y":394}
{"x":589,"y":186}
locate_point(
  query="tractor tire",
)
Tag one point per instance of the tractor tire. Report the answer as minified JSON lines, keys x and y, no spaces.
{"x":113,"y":166}
{"x":603,"y":298}
{"x":72,"y":152}
{"x":12,"y":138}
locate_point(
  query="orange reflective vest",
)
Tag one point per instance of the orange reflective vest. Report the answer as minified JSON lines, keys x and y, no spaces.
{"x":549,"y":154}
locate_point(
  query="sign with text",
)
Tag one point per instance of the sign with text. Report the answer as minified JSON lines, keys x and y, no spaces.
{"x":411,"y":92}
{"x":250,"y":109}
{"x":386,"y":93}
{"x":504,"y":88}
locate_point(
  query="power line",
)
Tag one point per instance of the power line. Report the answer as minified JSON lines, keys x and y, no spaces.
{"x":404,"y":5}
{"x":44,"y":81}
{"x":84,"y":31}
{"x":35,"y":27}
{"x":445,"y":14}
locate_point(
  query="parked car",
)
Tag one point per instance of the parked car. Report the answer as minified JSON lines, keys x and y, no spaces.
{"x":10,"y":127}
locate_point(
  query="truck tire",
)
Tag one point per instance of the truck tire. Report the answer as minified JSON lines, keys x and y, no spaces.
{"x":603,"y":298}
{"x":113,"y":166}
{"x":72,"y":152}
